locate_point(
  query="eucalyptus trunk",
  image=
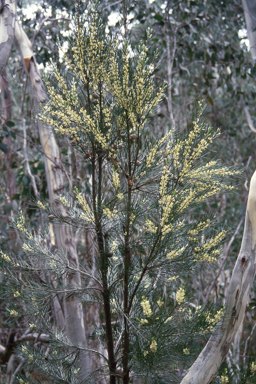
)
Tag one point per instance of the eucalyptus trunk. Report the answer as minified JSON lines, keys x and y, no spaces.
{"x":7,"y":21}
{"x":206,"y":366}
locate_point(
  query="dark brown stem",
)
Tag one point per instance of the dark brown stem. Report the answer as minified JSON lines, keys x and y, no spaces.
{"x":103,"y":264}
{"x":127,"y":263}
{"x":143,"y":273}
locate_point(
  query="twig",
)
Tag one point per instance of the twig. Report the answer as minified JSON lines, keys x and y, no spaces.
{"x":223,"y":262}
{"x":110,"y":5}
{"x":27,"y":162}
{"x":16,"y":371}
{"x":247,"y":341}
{"x":34,"y":336}
{"x":30,"y":141}
{"x":248,"y":118}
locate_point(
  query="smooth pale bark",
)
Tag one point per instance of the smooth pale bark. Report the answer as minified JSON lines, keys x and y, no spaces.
{"x":206,"y":366}
{"x":6,"y":116}
{"x":250,"y":18}
{"x":7,"y":22}
{"x":74,"y":318}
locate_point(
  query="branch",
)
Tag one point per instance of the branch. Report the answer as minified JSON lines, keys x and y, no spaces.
{"x":16,"y":371}
{"x":247,"y":341}
{"x":27,"y":162}
{"x":248,"y":118}
{"x":34,"y":336}
{"x":205,"y":368}
{"x":223,"y":262}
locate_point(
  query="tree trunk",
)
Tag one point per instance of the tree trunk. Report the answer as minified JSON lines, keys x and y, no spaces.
{"x":7,"y":21}
{"x":7,"y":114}
{"x":250,"y":18}
{"x":206,"y":366}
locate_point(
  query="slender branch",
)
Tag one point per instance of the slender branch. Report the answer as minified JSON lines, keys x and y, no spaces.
{"x":127,"y":262}
{"x":30,"y":141}
{"x":34,"y":336}
{"x":27,"y":163}
{"x":247,"y":341}
{"x":248,"y":118}
{"x":223,"y":261}
{"x":17,"y":370}
{"x":143,"y":273}
{"x":115,"y":3}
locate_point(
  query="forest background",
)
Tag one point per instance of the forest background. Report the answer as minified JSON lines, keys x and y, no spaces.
{"x":202,"y":54}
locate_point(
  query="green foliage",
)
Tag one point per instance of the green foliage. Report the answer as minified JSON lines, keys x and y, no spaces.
{"x":139,"y":208}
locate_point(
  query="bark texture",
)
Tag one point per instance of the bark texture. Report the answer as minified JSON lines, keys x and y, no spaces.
{"x":206,"y":366}
{"x":6,"y":116}
{"x":7,"y":23}
{"x":250,"y":18}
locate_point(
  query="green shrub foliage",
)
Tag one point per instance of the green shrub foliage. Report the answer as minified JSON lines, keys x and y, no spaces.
{"x":138,"y":206}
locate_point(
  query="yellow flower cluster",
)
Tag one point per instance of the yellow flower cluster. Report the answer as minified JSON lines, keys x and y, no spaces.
{"x":135,"y":98}
{"x":146,"y":307}
{"x":27,"y":248}
{"x":24,"y":349}
{"x":110,"y":214}
{"x":224,"y":379}
{"x":132,"y":218}
{"x":16,"y":294}
{"x":203,"y":251}
{"x":200,"y":227}
{"x":153,"y":346}
{"x":160,"y":303}
{"x":150,"y":227}
{"x":188,"y":200}
{"x":253,"y":367}
{"x":166,"y":202}
{"x":176,"y":252}
{"x":163,"y":181}
{"x":176,"y":154}
{"x":34,"y":302}
{"x":13,"y":313}
{"x":186,"y":351}
{"x":151,"y":155}
{"x":180,"y":296}
{"x":21,"y":224}
{"x":21,"y":381}
{"x":144,"y":321}
{"x":171,"y":279}
{"x":116,"y":181}
{"x":64,"y":201}
{"x":114,"y":246}
{"x":87,"y":212}
{"x":5,"y":257}
{"x":120,"y":196}
{"x":213,"y":320}
{"x":41,"y":205}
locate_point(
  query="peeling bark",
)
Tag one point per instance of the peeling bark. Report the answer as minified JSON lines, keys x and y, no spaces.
{"x":250,"y":18}
{"x":7,"y":23}
{"x":206,"y":366}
